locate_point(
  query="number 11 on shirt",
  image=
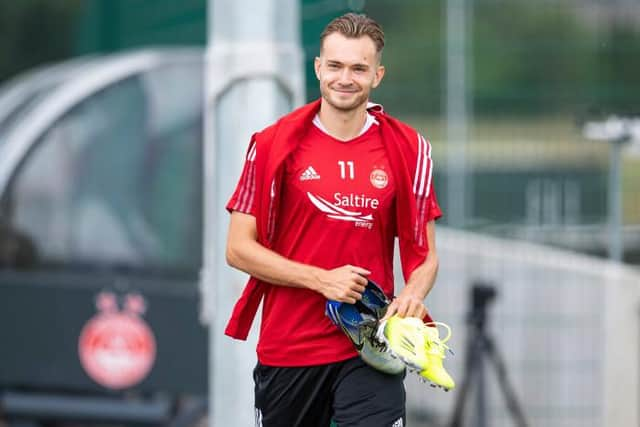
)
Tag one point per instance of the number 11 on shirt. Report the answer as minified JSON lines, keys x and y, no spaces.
{"x":348,"y":163}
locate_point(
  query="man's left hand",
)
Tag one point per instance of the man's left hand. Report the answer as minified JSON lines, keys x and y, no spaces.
{"x":407,"y":304}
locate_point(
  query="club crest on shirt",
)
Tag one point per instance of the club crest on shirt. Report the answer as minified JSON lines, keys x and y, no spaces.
{"x":379,"y":178}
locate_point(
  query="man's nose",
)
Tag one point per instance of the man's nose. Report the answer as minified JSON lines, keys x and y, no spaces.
{"x":345,"y":75}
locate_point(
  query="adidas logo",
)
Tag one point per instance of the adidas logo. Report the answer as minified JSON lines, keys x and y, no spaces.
{"x":308,"y":174}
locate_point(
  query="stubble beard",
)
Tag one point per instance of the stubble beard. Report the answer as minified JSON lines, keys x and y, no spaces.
{"x":361,"y":99}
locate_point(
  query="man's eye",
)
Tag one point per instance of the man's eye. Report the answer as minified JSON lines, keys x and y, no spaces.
{"x":333,"y":66}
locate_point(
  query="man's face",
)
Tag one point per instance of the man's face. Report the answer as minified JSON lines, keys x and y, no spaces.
{"x":347,"y":69}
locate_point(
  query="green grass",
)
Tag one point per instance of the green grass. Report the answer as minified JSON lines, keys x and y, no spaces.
{"x":496,"y":143}
{"x":631,"y":189}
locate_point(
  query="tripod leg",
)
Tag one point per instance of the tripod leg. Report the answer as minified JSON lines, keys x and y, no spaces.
{"x":507,"y":391}
{"x":473,"y":361}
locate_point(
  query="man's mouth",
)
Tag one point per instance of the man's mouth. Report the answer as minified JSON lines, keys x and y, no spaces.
{"x":345,"y":90}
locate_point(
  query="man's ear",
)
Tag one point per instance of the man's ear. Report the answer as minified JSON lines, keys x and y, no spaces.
{"x":379,"y":75}
{"x":316,"y":67}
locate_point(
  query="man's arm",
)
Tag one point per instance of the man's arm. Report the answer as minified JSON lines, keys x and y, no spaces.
{"x":245,"y":253}
{"x":410,"y":301}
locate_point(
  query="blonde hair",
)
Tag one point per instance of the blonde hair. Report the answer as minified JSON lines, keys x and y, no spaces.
{"x":354,"y":26}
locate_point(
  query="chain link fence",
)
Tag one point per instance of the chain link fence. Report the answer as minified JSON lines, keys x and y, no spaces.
{"x":565,"y":326}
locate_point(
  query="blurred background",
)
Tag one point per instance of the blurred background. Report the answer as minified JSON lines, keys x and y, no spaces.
{"x":532,"y":108}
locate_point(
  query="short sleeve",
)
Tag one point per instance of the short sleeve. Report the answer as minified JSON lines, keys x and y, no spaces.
{"x":433,"y":208}
{"x":426,"y":199}
{"x":244,"y":197}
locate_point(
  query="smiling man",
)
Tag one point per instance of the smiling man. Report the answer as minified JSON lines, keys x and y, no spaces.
{"x":323,"y":194}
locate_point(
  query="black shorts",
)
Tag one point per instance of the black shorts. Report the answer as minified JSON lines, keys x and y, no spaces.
{"x":351,"y":393}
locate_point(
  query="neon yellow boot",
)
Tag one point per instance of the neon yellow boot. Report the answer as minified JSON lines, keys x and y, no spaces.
{"x":435,"y":351}
{"x":419,"y":346}
{"x":404,"y":339}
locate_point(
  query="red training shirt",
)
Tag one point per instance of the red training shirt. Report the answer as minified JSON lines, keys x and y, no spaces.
{"x":337,"y":208}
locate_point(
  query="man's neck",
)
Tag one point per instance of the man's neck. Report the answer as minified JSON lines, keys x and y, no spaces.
{"x":342,"y":125}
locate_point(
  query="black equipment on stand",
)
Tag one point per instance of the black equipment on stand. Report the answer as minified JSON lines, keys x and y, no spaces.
{"x":480,"y":345}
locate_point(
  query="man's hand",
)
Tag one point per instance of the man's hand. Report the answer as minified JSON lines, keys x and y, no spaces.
{"x":407,"y":304}
{"x":343,"y":284}
{"x":410,"y":302}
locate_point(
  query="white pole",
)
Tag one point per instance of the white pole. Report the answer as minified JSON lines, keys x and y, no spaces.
{"x":254,"y":74}
{"x":457,"y":18}
{"x":616,"y":252}
{"x":617,"y":131}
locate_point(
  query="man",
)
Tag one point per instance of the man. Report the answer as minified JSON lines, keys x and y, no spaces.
{"x":323,"y":194}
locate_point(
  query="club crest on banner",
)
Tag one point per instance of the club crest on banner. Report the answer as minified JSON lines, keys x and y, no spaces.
{"x":117,"y":348}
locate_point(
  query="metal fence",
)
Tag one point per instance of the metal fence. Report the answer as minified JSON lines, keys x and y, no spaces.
{"x":565,"y":324}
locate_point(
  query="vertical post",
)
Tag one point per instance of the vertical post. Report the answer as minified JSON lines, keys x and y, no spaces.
{"x":253,"y":75}
{"x":616,"y":131}
{"x":457,"y":50}
{"x":481,"y":387}
{"x":615,"y":200}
